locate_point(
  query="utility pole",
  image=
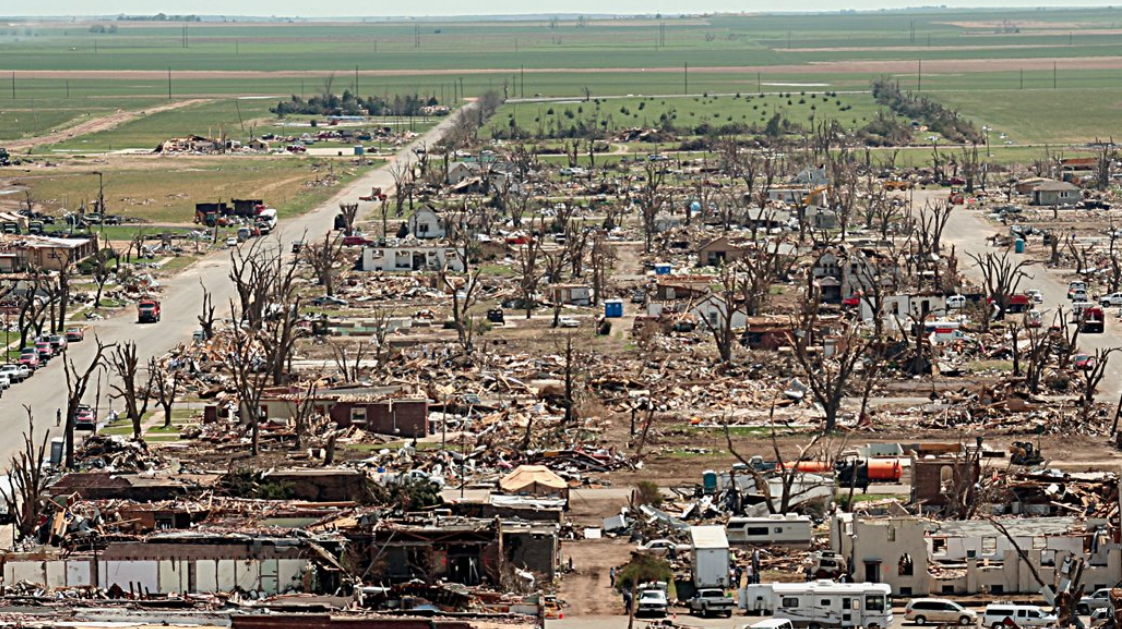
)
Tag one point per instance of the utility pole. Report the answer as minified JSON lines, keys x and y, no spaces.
{"x":920,"y":76}
{"x":686,"y":77}
{"x":759,"y":83}
{"x":68,"y":88}
{"x":356,"y":81}
{"x":13,"y":85}
{"x":169,"y":82}
{"x":1055,"y":75}
{"x":522,"y":80}
{"x":1022,"y":78}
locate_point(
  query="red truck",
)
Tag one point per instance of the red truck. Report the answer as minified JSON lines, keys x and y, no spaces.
{"x":1092,"y":320}
{"x":376,"y":194}
{"x":148,"y":311}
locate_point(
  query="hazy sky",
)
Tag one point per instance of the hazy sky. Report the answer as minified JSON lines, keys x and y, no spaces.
{"x":458,"y":7}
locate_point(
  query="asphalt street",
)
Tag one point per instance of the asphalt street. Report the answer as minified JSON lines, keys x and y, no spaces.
{"x":182,"y":296}
{"x":968,"y":231}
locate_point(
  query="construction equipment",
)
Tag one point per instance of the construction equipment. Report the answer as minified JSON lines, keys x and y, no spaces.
{"x":1025,"y":453}
{"x":5,"y":158}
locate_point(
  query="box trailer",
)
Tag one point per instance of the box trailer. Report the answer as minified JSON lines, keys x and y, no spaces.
{"x":710,"y":550}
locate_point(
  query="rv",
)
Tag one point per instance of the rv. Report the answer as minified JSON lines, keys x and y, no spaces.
{"x":779,"y":530}
{"x":820,"y":604}
{"x":267,"y":220}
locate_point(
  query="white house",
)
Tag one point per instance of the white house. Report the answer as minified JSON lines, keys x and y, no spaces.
{"x":904,"y":307}
{"x":426,"y":224}
{"x":411,"y":258}
{"x":460,"y":171}
{"x":812,"y":176}
{"x":713,"y":309}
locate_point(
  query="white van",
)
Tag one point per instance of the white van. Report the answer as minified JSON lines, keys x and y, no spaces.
{"x":770,"y":623}
{"x":1022,"y":615}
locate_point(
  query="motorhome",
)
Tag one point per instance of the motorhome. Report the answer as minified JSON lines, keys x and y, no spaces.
{"x":780,"y":530}
{"x":818,"y":604}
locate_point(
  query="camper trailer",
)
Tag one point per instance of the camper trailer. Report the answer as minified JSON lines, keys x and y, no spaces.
{"x":773,"y":530}
{"x":823,"y":603}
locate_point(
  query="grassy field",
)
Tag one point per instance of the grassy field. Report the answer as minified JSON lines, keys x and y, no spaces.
{"x":1010,"y":54}
{"x":165,"y":191}
{"x":1042,"y":116}
{"x":551,"y":119}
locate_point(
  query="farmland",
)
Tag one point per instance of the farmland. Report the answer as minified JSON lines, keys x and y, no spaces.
{"x":165,"y":192}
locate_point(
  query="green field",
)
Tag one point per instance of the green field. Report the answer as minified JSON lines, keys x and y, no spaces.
{"x":1042,"y":116}
{"x":1010,"y":54}
{"x":166,"y":191}
{"x":693,"y":113}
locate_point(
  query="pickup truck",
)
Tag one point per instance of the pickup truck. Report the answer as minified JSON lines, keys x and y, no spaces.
{"x":148,"y":311}
{"x":652,"y":602}
{"x":1111,"y":300}
{"x":711,"y":601}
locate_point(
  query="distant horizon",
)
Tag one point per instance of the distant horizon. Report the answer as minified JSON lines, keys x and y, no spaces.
{"x":510,"y":9}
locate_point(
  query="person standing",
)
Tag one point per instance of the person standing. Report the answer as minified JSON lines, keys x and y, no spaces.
{"x":58,"y":417}
{"x":612,"y":576}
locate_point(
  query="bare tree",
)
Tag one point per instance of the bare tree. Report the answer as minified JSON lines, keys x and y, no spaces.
{"x":163,"y":385}
{"x":465,"y":297}
{"x":349,"y":212}
{"x":76,"y":384}
{"x":1091,"y":375}
{"x":651,"y":200}
{"x":27,"y":477}
{"x":269,"y":304}
{"x":325,"y":259}
{"x":787,"y":471}
{"x":349,"y":362}
{"x":304,"y":411}
{"x":1000,"y":278}
{"x":250,"y":376}
{"x":126,"y":365}
{"x":206,"y":318}
{"x":528,"y":258}
{"x":828,"y":377}
{"x":929,"y":224}
{"x":67,"y":261}
{"x":105,"y":265}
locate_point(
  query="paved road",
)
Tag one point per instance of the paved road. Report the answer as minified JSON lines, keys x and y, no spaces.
{"x":182,"y":298}
{"x":968,"y":230}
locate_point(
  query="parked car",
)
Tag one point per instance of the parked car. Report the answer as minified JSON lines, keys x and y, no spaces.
{"x":232,"y":241}
{"x":1085,"y":362}
{"x":939,"y":611}
{"x":356,"y":241}
{"x":29,"y":357}
{"x":5,"y":383}
{"x":58,"y":342}
{"x":662,"y":547}
{"x":568,"y":322}
{"x":710,"y":601}
{"x":956,"y":302}
{"x":1111,"y":300}
{"x":85,"y":420}
{"x":1074,"y":287}
{"x":1036,"y":296}
{"x":997,"y":614}
{"x":45,"y":350}
{"x":1099,"y":599}
{"x":75,"y":335}
{"x":1101,"y":615}
{"x":653,"y":603}
{"x":1033,"y":319}
{"x":771,"y":623}
{"x":329,"y":300}
{"x":15,"y":373}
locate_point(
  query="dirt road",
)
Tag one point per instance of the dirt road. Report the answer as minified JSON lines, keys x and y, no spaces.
{"x":103,"y":123}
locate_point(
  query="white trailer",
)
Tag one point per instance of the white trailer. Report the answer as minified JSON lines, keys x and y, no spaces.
{"x":818,"y":604}
{"x":790,"y":530}
{"x":710,"y":550}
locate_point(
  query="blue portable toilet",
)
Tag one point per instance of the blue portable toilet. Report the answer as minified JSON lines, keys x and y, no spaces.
{"x":709,"y":482}
{"x":695,"y":208}
{"x":613,"y":308}
{"x":663,"y":268}
{"x":360,"y":150}
{"x":1019,"y":245}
